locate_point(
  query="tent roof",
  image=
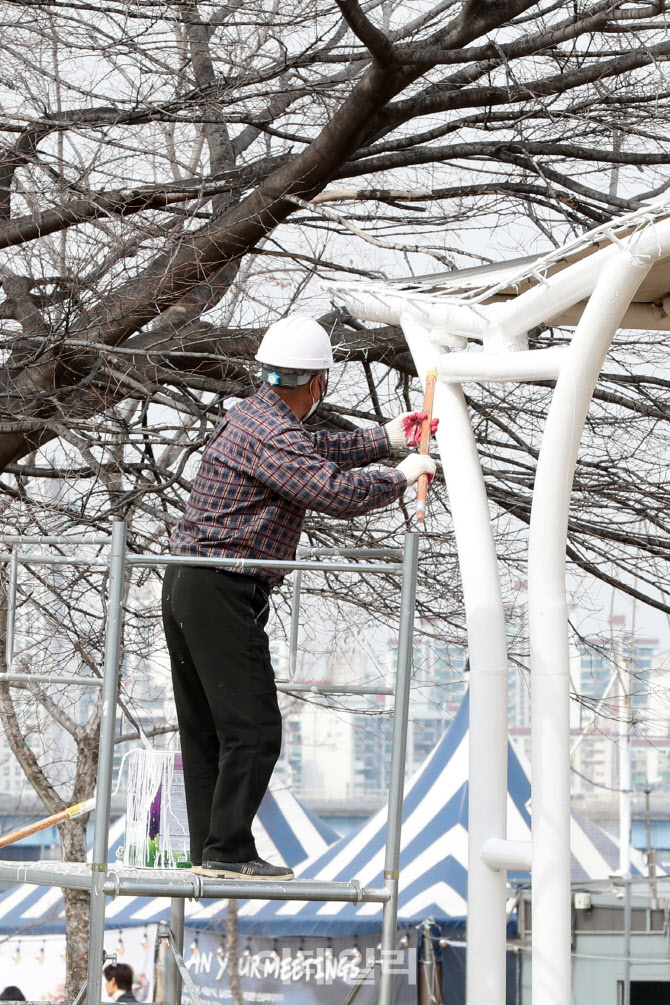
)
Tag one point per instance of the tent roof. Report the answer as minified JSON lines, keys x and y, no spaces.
{"x":434,"y":862}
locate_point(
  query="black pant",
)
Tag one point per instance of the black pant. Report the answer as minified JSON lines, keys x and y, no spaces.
{"x":226,"y":698}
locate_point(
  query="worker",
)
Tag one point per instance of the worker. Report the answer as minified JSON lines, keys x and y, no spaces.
{"x":260,"y":471}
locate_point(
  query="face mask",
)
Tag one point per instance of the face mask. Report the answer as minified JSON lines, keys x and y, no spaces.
{"x":312,"y":410}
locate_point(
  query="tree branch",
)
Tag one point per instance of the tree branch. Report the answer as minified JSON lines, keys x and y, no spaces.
{"x":380,"y":47}
{"x":122,"y":202}
{"x":500,"y":149}
{"x":451,"y":94}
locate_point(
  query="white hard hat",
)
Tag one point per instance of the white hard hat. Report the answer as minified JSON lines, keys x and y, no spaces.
{"x":297,"y":342}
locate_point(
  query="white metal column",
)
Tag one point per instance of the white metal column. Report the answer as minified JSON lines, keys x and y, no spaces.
{"x":548,"y":625}
{"x":487,"y":649}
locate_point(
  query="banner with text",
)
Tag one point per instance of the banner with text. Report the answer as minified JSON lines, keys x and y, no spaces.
{"x":310,"y":971}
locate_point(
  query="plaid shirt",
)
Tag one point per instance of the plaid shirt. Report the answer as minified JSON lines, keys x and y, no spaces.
{"x":261,"y":470}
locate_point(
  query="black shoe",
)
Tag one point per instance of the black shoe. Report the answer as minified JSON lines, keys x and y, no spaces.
{"x":254,"y":869}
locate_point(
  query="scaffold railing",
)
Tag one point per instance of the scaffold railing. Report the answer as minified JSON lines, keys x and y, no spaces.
{"x":102,"y":879}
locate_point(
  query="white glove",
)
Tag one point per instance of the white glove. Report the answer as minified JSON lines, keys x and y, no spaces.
{"x":395,"y":430}
{"x":415,"y":465}
{"x":405,"y":429}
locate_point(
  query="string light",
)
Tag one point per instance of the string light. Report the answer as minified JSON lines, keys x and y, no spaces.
{"x":145,"y":940}
{"x":275,"y":952}
{"x":41,"y":955}
{"x":404,"y":942}
{"x":443,"y":943}
{"x":358,"y":955}
{"x":221,"y":953}
{"x":329,"y":951}
{"x":300,"y":955}
{"x":16,"y":955}
{"x":120,"y":948}
{"x":247,"y":954}
{"x":195,"y":946}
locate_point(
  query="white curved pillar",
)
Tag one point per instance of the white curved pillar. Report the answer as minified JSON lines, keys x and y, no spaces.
{"x":487,"y":650}
{"x":548,"y":626}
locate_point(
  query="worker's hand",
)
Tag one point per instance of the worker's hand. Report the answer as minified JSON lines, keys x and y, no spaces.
{"x":415,"y":465}
{"x":405,"y":429}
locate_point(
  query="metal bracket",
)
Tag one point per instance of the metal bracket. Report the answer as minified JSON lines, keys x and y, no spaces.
{"x":81,"y":993}
{"x":165,"y":933}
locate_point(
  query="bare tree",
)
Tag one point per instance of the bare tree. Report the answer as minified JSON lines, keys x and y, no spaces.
{"x":174,"y":176}
{"x":53,"y":730}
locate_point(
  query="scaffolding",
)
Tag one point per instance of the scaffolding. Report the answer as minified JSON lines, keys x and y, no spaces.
{"x":102,"y":879}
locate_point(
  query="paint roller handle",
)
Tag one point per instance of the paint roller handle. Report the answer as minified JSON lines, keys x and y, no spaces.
{"x":78,"y":810}
{"x":424,"y":448}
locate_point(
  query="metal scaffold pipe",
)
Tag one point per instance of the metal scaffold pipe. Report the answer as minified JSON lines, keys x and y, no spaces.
{"x":12,"y":590}
{"x":359,"y":568}
{"x":55,"y":539}
{"x":398,"y":751}
{"x":113,"y":632}
{"x":334,"y":689}
{"x":177,"y":920}
{"x":295,"y":625}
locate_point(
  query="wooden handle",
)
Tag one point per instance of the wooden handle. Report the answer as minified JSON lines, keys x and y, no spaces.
{"x":422,"y":490}
{"x":77,"y":810}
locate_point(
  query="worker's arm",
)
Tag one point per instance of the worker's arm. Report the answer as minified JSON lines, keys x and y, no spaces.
{"x":290,"y":465}
{"x":352,"y":450}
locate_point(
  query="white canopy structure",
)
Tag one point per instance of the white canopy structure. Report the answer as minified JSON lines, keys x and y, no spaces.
{"x":615,"y":276}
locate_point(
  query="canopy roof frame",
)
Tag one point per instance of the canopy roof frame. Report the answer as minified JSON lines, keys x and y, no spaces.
{"x":597,"y":277}
{"x":498,"y":304}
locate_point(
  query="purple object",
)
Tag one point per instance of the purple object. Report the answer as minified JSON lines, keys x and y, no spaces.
{"x":155,"y":814}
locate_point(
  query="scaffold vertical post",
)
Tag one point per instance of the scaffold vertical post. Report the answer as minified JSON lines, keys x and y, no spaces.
{"x":398,"y":749}
{"x":295,"y":625}
{"x":174,"y":981}
{"x":12,"y":603}
{"x":110,"y":687}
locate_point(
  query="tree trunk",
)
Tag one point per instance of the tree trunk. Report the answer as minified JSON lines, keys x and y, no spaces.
{"x":73,"y":841}
{"x":233,"y":947}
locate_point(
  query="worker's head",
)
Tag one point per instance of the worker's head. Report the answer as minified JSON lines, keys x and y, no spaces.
{"x":296,"y":356}
{"x":118,"y":977}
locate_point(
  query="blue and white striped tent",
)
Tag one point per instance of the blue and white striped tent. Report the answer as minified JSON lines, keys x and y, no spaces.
{"x":433,"y":877}
{"x":434,"y":862}
{"x":285,"y":831}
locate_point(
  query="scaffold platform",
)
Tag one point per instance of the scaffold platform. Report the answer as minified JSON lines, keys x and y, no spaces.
{"x":123,"y":881}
